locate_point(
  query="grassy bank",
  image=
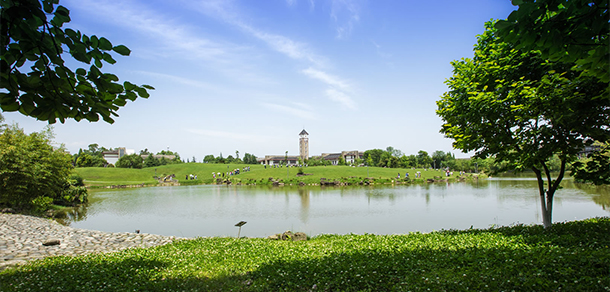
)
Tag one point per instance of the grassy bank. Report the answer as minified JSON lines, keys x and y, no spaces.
{"x":95,"y":176}
{"x":571,"y":256}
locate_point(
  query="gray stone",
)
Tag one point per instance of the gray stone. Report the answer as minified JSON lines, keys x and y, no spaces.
{"x":299,"y":236}
{"x":51,"y":242}
{"x":287,"y":235}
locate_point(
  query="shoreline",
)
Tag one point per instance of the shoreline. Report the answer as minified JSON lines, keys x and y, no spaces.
{"x":22,"y":238}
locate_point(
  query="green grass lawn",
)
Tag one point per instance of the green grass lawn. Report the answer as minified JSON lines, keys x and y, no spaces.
{"x":96,"y":176}
{"x":573,"y":256}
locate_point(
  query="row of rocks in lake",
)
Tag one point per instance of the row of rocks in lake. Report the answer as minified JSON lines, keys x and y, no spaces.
{"x":24,"y":238}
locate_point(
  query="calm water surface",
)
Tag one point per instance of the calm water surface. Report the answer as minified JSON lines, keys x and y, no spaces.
{"x":210,"y":210}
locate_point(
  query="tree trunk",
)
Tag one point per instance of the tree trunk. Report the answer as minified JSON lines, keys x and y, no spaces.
{"x":546,"y":196}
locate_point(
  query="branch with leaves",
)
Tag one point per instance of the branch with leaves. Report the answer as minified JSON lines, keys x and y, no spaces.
{"x":51,"y":90}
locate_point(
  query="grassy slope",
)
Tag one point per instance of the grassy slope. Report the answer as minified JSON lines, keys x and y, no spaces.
{"x":571,"y":256}
{"x":119,"y":176}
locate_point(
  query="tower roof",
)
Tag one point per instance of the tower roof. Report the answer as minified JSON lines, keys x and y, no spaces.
{"x":303,"y":132}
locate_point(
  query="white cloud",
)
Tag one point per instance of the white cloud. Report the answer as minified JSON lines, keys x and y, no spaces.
{"x":327,"y":78}
{"x":341,"y":98}
{"x":291,"y":2}
{"x":302,"y":112}
{"x":229,"y":13}
{"x":172,"y":36}
{"x":345,"y":13}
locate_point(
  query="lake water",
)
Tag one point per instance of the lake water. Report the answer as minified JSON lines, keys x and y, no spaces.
{"x":211,"y":210}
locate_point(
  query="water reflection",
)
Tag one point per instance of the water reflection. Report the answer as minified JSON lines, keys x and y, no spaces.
{"x":213,"y":210}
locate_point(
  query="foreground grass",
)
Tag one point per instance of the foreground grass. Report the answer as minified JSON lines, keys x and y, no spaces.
{"x":573,"y":256}
{"x":99,"y":176}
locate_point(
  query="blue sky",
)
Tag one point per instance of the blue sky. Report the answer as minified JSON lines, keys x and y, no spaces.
{"x":250,"y":75}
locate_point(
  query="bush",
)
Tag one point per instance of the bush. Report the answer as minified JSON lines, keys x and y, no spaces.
{"x":76,"y":180}
{"x":130,"y":161}
{"x":31,"y":168}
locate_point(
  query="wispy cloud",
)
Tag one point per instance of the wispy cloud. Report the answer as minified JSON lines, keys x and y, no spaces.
{"x":229,"y":13}
{"x":327,"y":78}
{"x":345,"y":14}
{"x":172,"y":36}
{"x":291,"y":2}
{"x":337,"y":87}
{"x":342,"y":98}
{"x":300,"y":110}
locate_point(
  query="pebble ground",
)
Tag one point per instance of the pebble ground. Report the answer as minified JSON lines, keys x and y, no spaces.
{"x":22,"y":238}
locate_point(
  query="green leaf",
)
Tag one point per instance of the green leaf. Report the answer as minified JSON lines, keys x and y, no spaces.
{"x":94,"y":42}
{"x":129,"y":86}
{"x":11,"y":107}
{"x":122,"y":50}
{"x":108,"y":58}
{"x":148,"y":87}
{"x":81,"y":71}
{"x":105,"y":44}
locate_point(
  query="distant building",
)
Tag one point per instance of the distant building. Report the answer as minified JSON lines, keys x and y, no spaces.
{"x":304,"y":145}
{"x":348,"y":156}
{"x":279,"y":160}
{"x":158,"y":156}
{"x":113,"y":156}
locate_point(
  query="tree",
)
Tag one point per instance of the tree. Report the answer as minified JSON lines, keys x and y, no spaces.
{"x":596,"y":167}
{"x":87,"y":160}
{"x":130,"y":161}
{"x":522,"y":109}
{"x":51,"y":90}
{"x":423,"y":159}
{"x":250,"y":159}
{"x":394,"y":152}
{"x":375,"y":155}
{"x":32,"y":172}
{"x":575,"y":32}
{"x":438,"y":157}
{"x":151,"y":161}
{"x":209,"y":159}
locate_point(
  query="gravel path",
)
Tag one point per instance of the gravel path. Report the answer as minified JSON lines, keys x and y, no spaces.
{"x":22,"y":238}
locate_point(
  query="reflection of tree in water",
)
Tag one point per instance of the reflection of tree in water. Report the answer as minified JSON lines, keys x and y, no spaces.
{"x":70,"y":215}
{"x":601,"y":194}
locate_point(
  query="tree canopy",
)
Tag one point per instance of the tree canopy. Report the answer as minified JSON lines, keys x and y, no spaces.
{"x":31,"y":35}
{"x":522,"y":108}
{"x":569,"y":31}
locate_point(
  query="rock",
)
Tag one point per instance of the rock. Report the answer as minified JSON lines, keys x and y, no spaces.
{"x":8,"y":210}
{"x":287,"y":235}
{"x":299,"y":236}
{"x":274,"y":237}
{"x":51,"y":242}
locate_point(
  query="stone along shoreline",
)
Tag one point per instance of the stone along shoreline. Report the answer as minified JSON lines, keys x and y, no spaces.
{"x":24,"y":238}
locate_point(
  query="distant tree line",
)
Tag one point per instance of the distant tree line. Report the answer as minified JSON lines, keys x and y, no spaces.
{"x":93,"y":157}
{"x":248,"y":159}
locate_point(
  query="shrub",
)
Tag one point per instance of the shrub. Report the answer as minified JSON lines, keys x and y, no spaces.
{"x":31,"y":168}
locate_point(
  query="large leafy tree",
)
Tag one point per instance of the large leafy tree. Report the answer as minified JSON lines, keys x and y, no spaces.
{"x":31,"y":168}
{"x":570,"y":31}
{"x":523,"y":109}
{"x":32,"y":39}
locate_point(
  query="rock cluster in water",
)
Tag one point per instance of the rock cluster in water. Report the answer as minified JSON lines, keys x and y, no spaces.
{"x":24,"y":238}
